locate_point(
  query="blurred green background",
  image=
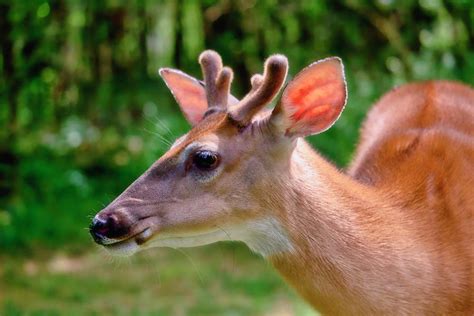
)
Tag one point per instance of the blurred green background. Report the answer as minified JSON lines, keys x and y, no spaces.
{"x":83,"y":112}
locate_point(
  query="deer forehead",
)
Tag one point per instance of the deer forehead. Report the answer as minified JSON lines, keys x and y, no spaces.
{"x":204,"y":132}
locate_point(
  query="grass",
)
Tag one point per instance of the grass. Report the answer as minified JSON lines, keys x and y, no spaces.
{"x":222,"y":279}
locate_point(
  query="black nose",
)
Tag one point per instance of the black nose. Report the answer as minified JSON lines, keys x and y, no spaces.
{"x":108,"y":226}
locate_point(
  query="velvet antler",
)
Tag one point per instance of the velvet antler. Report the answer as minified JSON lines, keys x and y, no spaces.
{"x":264,"y":89}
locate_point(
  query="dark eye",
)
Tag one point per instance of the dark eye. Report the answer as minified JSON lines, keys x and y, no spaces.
{"x":205,"y":160}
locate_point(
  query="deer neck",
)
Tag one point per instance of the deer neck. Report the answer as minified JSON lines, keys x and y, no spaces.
{"x":340,"y":256}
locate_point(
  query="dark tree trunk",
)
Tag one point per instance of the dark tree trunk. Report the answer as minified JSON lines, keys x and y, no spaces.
{"x":143,"y":62}
{"x":179,"y":36}
{"x":8,"y":156}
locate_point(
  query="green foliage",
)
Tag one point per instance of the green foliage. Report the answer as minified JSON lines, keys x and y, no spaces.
{"x":83,"y":112}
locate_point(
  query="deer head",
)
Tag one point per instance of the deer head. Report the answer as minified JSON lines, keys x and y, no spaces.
{"x":224,"y":179}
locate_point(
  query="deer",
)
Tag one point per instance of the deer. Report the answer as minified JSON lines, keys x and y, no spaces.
{"x":390,"y":234}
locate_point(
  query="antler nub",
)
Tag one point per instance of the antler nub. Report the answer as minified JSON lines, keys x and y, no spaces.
{"x":256,"y":81}
{"x":264,"y":89}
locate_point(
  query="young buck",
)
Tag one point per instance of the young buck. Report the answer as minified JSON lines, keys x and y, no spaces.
{"x":393,"y":235}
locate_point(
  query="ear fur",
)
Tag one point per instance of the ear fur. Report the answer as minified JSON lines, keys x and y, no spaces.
{"x":313,"y":101}
{"x":190,"y":94}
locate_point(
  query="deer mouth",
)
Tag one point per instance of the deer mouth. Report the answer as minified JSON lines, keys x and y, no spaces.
{"x":147,"y":239}
{"x":192,"y":239}
{"x":126,"y":246}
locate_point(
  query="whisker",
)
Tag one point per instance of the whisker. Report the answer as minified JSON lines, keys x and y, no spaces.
{"x":163,"y":130}
{"x":233,"y":248}
{"x":164,"y":127}
{"x":195,"y":268}
{"x":225,"y":232}
{"x":160,"y":137}
{"x":153,"y":267}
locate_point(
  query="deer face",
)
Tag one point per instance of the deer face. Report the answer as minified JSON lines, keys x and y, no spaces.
{"x":217,"y":182}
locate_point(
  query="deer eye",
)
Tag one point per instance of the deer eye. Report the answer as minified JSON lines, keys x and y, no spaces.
{"x":205,"y":160}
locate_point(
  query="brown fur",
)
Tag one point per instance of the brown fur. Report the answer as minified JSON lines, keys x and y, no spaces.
{"x":395,"y":235}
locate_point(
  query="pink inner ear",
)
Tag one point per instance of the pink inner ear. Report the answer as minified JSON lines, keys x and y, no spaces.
{"x":188,"y":92}
{"x":314,"y":100}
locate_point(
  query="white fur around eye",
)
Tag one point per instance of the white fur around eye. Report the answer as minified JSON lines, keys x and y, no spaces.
{"x":204,"y":176}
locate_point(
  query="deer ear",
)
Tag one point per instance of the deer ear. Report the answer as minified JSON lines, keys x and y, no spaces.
{"x":188,"y":92}
{"x":313,"y":100}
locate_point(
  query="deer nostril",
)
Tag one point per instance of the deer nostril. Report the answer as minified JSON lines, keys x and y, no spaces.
{"x":98,"y":229}
{"x":101,"y":226}
{"x":109,"y":227}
